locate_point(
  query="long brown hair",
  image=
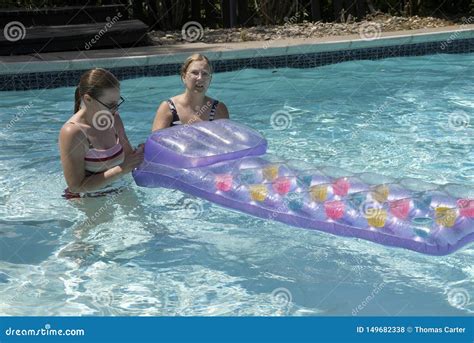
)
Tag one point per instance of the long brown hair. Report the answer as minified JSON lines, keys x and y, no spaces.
{"x":191,"y":59}
{"x":94,"y":82}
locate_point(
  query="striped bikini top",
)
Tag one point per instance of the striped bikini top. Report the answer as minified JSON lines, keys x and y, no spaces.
{"x":99,"y":160}
{"x":174,"y":112}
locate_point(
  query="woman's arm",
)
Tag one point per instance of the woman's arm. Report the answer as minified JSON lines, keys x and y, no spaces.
{"x":163,"y":117}
{"x":120,"y":129}
{"x":222,"y":112}
{"x":72,"y":145}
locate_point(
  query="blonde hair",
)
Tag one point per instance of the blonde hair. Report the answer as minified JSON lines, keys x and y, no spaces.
{"x":191,"y":59}
{"x":94,"y":82}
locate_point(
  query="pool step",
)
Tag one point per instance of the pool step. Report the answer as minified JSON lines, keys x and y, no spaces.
{"x":111,"y":34}
{"x":70,"y":15}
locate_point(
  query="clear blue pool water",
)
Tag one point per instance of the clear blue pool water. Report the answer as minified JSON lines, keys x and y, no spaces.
{"x":158,"y":252}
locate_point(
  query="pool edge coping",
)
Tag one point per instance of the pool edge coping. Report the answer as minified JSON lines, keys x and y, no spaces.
{"x":237,"y":51}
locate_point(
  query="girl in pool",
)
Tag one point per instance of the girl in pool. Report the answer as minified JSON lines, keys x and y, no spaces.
{"x":193,"y":105}
{"x":94,"y":148}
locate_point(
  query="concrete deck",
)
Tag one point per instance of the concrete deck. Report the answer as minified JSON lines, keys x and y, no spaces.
{"x":151,"y":55}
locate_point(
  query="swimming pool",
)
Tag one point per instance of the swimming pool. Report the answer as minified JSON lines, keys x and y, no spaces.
{"x":158,"y":252}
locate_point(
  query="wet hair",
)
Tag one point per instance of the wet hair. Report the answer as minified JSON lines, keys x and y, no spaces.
{"x":94,"y":82}
{"x":191,"y":59}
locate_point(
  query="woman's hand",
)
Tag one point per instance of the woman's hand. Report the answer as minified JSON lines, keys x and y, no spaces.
{"x":132,"y":160}
{"x":140,"y":148}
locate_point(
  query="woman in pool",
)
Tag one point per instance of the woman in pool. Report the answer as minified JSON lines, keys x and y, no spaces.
{"x":193,"y":105}
{"x":94,"y":148}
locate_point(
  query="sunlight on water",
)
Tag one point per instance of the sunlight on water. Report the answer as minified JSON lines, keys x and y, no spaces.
{"x":160,"y":252}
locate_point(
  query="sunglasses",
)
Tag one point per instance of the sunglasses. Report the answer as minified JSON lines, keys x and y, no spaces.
{"x":112,"y":108}
{"x":195,"y":74}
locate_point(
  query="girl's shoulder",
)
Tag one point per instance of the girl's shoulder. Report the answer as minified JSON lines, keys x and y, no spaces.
{"x":221,"y":111}
{"x":72,"y":126}
{"x":176,"y":98}
{"x":210,"y":100}
{"x":72,"y":134}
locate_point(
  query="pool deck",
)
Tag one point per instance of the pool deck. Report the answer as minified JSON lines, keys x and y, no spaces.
{"x":165,"y":54}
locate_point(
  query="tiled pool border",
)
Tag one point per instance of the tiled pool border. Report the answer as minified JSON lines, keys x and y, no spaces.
{"x":53,"y":74}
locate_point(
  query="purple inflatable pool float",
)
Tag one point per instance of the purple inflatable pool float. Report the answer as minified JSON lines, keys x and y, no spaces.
{"x":226,"y":163}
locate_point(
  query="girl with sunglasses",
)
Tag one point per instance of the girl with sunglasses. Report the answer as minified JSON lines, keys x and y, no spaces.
{"x":94,"y":148}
